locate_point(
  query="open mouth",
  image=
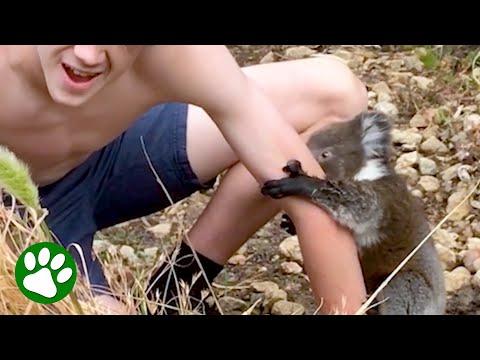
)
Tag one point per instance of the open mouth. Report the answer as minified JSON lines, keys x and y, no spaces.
{"x":79,"y":76}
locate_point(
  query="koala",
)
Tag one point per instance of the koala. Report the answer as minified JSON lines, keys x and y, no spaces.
{"x":363,"y":193}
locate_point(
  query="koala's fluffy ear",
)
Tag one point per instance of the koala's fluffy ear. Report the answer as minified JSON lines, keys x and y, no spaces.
{"x":376,"y":138}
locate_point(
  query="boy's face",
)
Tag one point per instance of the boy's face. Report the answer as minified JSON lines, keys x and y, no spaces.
{"x":74,"y":73}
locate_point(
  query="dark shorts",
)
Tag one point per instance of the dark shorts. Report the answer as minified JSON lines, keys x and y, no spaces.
{"x":116,"y":184}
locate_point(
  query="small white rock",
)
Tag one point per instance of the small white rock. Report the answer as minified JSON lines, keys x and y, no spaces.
{"x":457,"y":279}
{"x":408,"y":137}
{"x":269,"y":58}
{"x":432,"y":146}
{"x":128,"y":253}
{"x":283,"y":307}
{"x":450,"y":173}
{"x":237,"y":260}
{"x":422,"y":82}
{"x":429,"y":183}
{"x":447,"y":257}
{"x":387,"y":108}
{"x":243,"y":249}
{"x":473,"y":243}
{"x":413,"y":63}
{"x":161,"y":229}
{"x":446,"y":238}
{"x":410,"y":173}
{"x":453,"y":201}
{"x":431,"y":130}
{"x":408,"y":147}
{"x":401,"y":77}
{"x":475,"y":204}
{"x":463,"y":173}
{"x":427,"y":166}
{"x":471,"y":260}
{"x":101,"y":246}
{"x":418,"y":121}
{"x":407,"y":159}
{"x":418,"y":193}
{"x":272,"y":296}
{"x":396,"y":64}
{"x":383,"y":91}
{"x":343,"y":54}
{"x":290,"y":248}
{"x":299,"y":52}
{"x":230,"y":304}
{"x":290,"y":267}
{"x":264,"y":286}
{"x":471,"y":122}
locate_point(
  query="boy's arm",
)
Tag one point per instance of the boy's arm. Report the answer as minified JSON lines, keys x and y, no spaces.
{"x":209,"y":77}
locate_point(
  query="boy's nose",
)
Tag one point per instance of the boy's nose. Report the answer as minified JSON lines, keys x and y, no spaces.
{"x":90,"y":55}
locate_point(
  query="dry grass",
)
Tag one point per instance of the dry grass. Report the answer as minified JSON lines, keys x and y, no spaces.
{"x":23,"y":225}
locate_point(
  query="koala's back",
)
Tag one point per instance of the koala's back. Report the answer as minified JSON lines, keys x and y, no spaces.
{"x":404,"y":225}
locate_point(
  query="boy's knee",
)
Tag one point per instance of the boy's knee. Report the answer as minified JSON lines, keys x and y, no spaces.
{"x":340,"y":90}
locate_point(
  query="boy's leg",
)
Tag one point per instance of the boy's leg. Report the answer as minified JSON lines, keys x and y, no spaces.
{"x":310,"y":94}
{"x":116,"y":184}
{"x":69,"y":202}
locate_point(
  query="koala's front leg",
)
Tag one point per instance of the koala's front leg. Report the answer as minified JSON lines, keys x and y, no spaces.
{"x":301,"y":185}
{"x":298,"y":183}
{"x":352,"y":204}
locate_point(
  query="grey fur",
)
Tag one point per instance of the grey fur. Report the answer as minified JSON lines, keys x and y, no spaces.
{"x":386,"y":220}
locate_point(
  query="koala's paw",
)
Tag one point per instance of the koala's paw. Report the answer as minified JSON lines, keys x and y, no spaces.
{"x":301,"y":185}
{"x":278,"y":189}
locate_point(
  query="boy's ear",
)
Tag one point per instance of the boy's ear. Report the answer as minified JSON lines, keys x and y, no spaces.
{"x":376,"y":139}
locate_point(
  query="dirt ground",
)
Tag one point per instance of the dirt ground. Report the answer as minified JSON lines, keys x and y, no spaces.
{"x":432,"y":92}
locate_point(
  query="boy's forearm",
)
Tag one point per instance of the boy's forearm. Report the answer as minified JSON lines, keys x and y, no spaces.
{"x":330,"y":258}
{"x":263,"y":141}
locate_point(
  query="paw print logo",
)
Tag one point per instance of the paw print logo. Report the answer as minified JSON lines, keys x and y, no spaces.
{"x":45,"y":272}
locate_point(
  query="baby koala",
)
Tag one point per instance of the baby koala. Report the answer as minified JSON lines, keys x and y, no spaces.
{"x":363,"y":193}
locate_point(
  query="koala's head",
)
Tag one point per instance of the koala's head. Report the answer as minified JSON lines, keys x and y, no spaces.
{"x":357,"y":149}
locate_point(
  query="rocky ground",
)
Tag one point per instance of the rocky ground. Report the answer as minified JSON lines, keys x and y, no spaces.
{"x":433,"y":93}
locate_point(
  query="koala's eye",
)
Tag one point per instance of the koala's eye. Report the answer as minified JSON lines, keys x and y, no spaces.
{"x":326,"y":154}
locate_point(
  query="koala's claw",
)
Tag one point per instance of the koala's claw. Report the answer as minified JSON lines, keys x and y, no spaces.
{"x":294,"y":168}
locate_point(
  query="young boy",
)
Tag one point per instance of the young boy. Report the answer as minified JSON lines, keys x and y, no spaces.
{"x":76,"y":115}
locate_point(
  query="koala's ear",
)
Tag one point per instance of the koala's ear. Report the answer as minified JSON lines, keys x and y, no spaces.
{"x":376,"y":138}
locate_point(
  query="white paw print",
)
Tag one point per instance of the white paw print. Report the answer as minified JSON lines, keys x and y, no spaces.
{"x":42,"y":282}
